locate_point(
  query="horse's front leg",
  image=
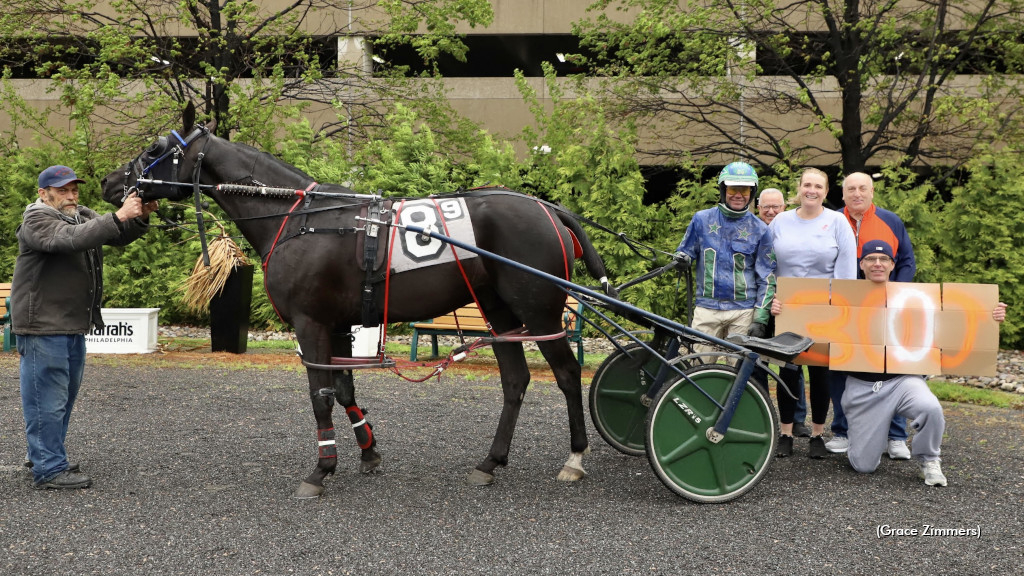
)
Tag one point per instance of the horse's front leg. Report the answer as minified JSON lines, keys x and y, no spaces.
{"x":326,"y":387}
{"x":321,"y":394}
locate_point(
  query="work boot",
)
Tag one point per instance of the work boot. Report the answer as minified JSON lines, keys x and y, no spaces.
{"x":64,"y":480}
{"x":72,"y":466}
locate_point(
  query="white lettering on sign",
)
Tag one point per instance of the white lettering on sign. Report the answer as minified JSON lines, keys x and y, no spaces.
{"x":899,"y":302}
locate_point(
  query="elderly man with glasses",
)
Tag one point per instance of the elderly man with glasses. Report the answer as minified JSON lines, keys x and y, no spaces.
{"x":769,"y":204}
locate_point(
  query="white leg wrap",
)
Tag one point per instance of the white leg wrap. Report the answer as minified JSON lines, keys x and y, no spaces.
{"x":575,"y":461}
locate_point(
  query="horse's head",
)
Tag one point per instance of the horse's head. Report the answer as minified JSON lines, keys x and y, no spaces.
{"x":167,"y":160}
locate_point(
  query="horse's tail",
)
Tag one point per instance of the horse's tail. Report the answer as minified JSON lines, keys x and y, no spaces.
{"x":592,"y":260}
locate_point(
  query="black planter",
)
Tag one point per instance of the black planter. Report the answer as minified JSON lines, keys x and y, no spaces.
{"x":229,"y":313}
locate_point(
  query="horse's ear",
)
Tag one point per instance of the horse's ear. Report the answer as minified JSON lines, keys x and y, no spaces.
{"x":189,"y":117}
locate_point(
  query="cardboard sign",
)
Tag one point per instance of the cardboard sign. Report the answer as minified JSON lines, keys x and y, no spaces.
{"x":894,"y":327}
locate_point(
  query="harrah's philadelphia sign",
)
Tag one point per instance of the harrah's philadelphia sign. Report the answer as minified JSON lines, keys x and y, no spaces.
{"x":120,"y":332}
{"x":127,"y":331}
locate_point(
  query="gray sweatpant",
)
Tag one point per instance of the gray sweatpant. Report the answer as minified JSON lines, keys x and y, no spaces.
{"x":869,"y":406}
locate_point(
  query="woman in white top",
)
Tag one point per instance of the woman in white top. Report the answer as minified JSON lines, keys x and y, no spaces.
{"x":811,"y":242}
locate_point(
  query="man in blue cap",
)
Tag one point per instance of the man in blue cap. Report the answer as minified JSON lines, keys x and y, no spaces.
{"x":871,"y":399}
{"x":56,"y":295}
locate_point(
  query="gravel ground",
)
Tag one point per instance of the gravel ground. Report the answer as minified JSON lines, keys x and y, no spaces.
{"x":193,"y":467}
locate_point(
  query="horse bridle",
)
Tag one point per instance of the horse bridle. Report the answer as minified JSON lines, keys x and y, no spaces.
{"x":176,"y":151}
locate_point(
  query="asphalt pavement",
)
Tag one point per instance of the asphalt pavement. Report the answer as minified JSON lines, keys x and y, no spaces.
{"x":193,"y":468}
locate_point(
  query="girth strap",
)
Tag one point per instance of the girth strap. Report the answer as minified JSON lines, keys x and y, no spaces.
{"x":370,"y":245}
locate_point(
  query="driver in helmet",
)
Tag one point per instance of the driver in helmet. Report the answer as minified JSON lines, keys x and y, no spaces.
{"x":735,"y":278}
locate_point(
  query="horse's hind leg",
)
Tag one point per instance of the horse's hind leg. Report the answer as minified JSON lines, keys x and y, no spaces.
{"x":515,"y":376}
{"x":566,"y":370}
{"x":344,"y":388}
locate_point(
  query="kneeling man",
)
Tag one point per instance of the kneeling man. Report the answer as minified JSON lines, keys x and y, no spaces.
{"x":872,"y":399}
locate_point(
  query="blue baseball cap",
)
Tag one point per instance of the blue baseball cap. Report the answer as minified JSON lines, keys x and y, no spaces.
{"x":57,"y":176}
{"x":877,"y":247}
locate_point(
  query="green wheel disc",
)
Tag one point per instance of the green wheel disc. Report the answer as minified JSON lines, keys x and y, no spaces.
{"x":682,"y":456}
{"x":615,"y":392}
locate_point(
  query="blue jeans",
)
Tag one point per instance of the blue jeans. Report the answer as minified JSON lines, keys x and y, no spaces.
{"x":836,"y":387}
{"x":51,"y":375}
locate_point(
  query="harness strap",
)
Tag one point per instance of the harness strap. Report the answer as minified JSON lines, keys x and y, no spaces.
{"x":273,"y":245}
{"x":369,"y":255}
{"x":198,"y":196}
{"x":565,"y":255}
{"x":465,"y":277}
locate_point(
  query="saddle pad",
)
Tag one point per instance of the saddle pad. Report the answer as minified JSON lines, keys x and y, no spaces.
{"x":448,"y":216}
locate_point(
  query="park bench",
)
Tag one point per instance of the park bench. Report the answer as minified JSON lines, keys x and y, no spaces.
{"x":468,"y":322}
{"x":5,"y":299}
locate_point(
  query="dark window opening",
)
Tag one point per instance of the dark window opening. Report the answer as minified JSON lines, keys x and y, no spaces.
{"x":804,"y":55}
{"x":34,"y":58}
{"x":489,"y":56}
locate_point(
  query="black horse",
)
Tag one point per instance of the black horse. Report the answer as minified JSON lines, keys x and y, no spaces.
{"x":316,"y":283}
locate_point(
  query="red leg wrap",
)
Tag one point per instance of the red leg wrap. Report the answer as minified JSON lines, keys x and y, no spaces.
{"x":361,"y":428}
{"x":326,"y":446}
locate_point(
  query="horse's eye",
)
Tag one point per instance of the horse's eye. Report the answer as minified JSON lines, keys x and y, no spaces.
{"x":157,"y":148}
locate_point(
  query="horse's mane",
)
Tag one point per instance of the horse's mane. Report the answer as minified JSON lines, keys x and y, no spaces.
{"x":270,"y":158}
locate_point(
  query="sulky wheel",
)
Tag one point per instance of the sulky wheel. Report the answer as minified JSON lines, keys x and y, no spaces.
{"x":615,"y":391}
{"x":682,"y":456}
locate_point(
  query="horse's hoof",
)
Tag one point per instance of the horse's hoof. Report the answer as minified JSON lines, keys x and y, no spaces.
{"x":307,"y":490}
{"x":478,"y":478}
{"x":568,"y":474}
{"x":367,"y":466}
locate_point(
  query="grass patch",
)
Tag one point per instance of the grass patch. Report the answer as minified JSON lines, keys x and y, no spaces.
{"x":949,"y":392}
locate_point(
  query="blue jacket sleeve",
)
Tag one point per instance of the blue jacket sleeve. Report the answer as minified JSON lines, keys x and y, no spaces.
{"x":906,"y":265}
{"x":689,"y":244}
{"x":764,"y":268}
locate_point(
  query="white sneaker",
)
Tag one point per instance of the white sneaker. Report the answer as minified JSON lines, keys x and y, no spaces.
{"x":838,"y":444}
{"x":898,"y":450}
{"x":932,"y":473}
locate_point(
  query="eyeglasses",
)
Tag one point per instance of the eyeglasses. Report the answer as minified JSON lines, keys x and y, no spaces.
{"x":775,"y":207}
{"x":877,"y":259}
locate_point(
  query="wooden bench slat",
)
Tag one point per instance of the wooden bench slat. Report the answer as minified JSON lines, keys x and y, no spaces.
{"x":468,"y":322}
{"x":5,"y":293}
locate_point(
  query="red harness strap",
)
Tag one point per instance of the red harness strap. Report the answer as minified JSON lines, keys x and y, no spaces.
{"x":266,"y":261}
{"x":517,"y":335}
{"x":565,"y":256}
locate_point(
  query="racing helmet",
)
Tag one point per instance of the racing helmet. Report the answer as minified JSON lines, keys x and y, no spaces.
{"x":737,"y":174}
